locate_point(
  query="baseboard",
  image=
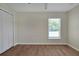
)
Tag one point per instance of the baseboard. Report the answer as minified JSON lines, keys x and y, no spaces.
{"x":73,"y":47}
{"x":41,"y":44}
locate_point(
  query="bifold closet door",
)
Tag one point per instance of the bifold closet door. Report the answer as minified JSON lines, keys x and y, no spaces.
{"x":10,"y":26}
{"x":7,"y":31}
{"x":1,"y":43}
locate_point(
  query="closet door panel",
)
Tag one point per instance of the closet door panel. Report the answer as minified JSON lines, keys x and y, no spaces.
{"x":5,"y":31}
{"x":10,"y":22}
{"x":1,"y":47}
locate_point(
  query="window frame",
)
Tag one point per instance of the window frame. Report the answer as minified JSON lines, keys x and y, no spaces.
{"x":59,"y":30}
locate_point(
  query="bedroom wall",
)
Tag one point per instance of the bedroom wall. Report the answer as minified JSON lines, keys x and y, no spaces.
{"x":32,"y":28}
{"x":74,"y":28}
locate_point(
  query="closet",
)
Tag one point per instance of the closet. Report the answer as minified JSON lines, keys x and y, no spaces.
{"x":6,"y":30}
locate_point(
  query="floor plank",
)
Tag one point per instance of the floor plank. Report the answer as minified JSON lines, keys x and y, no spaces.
{"x":41,"y":50}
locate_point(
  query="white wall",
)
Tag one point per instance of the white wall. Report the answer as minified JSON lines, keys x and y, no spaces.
{"x":74,"y":27}
{"x":32,"y":27}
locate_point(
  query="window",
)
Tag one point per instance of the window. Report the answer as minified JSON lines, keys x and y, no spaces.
{"x":54,"y":28}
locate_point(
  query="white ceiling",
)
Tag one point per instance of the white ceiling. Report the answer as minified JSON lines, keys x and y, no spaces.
{"x":40,"y":7}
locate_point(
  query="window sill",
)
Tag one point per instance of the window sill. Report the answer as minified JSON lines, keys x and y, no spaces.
{"x":53,"y":38}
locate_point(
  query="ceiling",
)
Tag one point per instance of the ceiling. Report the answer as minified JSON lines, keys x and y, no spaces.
{"x":41,"y":7}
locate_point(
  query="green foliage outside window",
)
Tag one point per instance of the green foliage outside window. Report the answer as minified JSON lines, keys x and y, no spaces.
{"x":54,"y":25}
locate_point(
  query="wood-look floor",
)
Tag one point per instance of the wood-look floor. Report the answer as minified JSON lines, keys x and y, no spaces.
{"x":41,"y":50}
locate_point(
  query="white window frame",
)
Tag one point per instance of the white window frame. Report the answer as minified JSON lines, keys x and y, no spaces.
{"x":59,"y":31}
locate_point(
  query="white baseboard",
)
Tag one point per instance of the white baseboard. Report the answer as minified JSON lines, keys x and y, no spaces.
{"x":41,"y":43}
{"x":73,"y":47}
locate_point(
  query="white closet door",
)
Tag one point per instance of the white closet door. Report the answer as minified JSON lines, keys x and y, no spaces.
{"x":1,"y":47}
{"x":10,"y":22}
{"x":6,"y":29}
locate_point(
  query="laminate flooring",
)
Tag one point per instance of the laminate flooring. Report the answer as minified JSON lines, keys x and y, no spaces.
{"x":41,"y":50}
